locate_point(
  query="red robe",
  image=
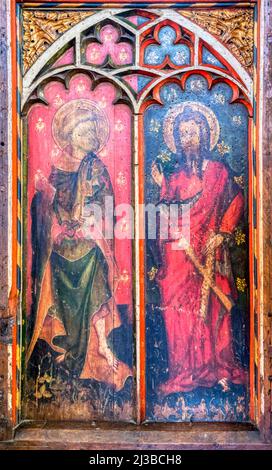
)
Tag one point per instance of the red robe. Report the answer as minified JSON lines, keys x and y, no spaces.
{"x":199,"y":350}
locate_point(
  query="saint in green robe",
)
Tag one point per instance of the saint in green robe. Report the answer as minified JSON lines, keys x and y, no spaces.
{"x":78,"y":267}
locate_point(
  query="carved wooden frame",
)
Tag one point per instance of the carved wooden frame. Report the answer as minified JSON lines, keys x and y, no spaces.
{"x":226,"y":436}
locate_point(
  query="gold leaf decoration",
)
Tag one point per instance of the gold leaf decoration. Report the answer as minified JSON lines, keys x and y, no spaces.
{"x":240,"y":180}
{"x":234,"y":28}
{"x":42,"y":28}
{"x":152,"y":273}
{"x":241,"y":284}
{"x":240,"y":237}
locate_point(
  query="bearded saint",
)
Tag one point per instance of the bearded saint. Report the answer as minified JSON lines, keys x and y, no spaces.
{"x":196,"y":283}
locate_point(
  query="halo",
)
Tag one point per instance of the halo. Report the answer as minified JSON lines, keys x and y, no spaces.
{"x":201,"y":108}
{"x":76,"y":110}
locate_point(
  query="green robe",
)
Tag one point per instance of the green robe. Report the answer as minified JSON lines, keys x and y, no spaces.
{"x":79,"y":269}
{"x":80,"y":287}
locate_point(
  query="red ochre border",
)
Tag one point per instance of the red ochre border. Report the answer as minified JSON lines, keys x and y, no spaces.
{"x":16,"y":203}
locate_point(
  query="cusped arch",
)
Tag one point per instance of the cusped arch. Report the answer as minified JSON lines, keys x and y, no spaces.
{"x":73,"y":34}
{"x":65,"y":74}
{"x":209,"y":39}
{"x":32,"y":78}
{"x":174,"y":76}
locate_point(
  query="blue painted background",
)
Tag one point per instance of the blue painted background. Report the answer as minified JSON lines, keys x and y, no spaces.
{"x":202,"y":404}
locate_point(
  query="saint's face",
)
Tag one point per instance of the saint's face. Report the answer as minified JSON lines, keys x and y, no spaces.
{"x":189,"y":135}
{"x":84,"y":137}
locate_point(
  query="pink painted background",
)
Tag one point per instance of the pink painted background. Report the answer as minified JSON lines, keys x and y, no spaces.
{"x":120,"y":52}
{"x":67,"y":58}
{"x":116,"y":155}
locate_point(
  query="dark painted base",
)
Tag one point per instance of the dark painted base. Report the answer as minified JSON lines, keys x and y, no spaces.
{"x":169,"y":436}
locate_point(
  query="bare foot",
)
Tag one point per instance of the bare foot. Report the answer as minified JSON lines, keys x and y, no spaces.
{"x":224,"y":384}
{"x":60,"y":358}
{"x":108,"y":355}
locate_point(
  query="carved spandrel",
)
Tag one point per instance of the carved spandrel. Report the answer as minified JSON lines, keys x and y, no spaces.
{"x":234,"y":28}
{"x":42,"y":28}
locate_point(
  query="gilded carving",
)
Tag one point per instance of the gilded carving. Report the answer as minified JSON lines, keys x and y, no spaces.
{"x":233,"y":27}
{"x":42,"y":28}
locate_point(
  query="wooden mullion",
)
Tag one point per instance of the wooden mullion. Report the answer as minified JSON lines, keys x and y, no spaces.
{"x":266,"y":222}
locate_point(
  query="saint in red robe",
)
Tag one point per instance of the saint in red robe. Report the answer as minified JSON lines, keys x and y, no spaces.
{"x":200,"y":348}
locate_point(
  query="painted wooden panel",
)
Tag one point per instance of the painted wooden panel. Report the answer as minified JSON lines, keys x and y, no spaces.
{"x":79,"y":277}
{"x":122,"y":108}
{"x":197,"y":305}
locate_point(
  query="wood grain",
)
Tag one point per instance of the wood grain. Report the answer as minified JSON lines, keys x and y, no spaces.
{"x":266,"y":151}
